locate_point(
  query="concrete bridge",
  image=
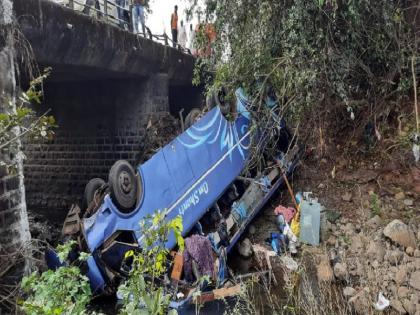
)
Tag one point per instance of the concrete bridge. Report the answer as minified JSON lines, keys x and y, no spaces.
{"x":105,"y":85}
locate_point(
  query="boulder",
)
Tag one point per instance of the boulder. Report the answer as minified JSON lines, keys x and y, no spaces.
{"x":401,"y":275}
{"x":245,"y":248}
{"x":349,"y":292}
{"x":374,"y":222}
{"x":361,"y":302}
{"x":375,"y":251}
{"x":410,"y":306}
{"x":356,"y":243}
{"x":340,"y":271}
{"x":347,"y":197}
{"x":408,"y":202}
{"x":400,"y":233}
{"x":409,"y":251}
{"x":415,"y":280}
{"x":403,"y":292}
{"x":394,"y":256}
{"x":397,"y":306}
{"x":399,"y":196}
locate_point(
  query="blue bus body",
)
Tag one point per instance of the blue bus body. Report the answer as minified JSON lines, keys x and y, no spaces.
{"x":186,"y":178}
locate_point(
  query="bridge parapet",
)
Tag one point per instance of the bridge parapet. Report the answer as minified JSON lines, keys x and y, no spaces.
{"x":72,"y":42}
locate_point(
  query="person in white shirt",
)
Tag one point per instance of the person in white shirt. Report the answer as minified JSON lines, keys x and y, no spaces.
{"x":182,"y":35}
{"x":191,"y":39}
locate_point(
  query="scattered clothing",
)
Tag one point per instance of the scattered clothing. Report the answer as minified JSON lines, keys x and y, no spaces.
{"x":198,"y":249}
{"x":278,"y":243}
{"x":287,"y":213}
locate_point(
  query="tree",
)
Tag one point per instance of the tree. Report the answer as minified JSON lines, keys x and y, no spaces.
{"x":17,"y":119}
{"x":355,"y":53}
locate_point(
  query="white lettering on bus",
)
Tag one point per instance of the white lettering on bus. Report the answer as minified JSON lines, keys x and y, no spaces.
{"x":194,"y":198}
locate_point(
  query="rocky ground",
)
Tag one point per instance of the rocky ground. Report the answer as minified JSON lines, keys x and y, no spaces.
{"x":374,"y":247}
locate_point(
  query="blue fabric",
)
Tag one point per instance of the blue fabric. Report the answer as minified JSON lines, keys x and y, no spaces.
{"x":53,"y":262}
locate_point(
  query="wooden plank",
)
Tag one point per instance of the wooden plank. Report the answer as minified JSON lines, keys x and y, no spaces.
{"x":224,"y":292}
{"x":178,"y":266}
{"x":203,"y":298}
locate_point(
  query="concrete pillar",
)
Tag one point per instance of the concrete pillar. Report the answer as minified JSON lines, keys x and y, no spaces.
{"x":14,"y":226}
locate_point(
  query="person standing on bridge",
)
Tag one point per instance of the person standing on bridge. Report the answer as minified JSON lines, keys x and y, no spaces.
{"x":174,"y":26}
{"x":138,"y":16}
{"x":182,"y":35}
{"x":191,"y":40}
{"x":120,"y":10}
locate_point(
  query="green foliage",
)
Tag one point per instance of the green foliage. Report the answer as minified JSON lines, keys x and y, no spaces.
{"x":311,"y":50}
{"x":144,"y":292}
{"x":54,"y":292}
{"x":375,"y":206}
{"x":67,"y":291}
{"x":15,"y":124}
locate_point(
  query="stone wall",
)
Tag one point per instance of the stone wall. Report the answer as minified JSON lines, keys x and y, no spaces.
{"x":14,"y":225}
{"x":99,"y":122}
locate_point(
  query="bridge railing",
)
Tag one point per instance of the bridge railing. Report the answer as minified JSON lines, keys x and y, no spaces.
{"x":108,"y":10}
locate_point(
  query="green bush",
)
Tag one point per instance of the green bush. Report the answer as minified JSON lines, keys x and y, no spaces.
{"x":54,"y":292}
{"x":312,"y":51}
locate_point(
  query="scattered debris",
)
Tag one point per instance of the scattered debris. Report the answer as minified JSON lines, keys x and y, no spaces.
{"x":310,"y":210}
{"x":289,"y":263}
{"x":245,"y":248}
{"x":382,"y":302}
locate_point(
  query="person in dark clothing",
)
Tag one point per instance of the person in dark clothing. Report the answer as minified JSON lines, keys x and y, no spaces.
{"x":138,"y":16}
{"x":91,"y":3}
{"x":174,"y":26}
{"x":120,"y":10}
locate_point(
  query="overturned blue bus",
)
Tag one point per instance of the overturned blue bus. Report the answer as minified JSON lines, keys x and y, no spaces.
{"x":196,"y":175}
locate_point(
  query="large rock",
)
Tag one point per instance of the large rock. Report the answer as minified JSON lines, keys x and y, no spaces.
{"x":403,"y":292}
{"x":375,"y":251}
{"x":245,"y":248}
{"x":394,"y":257}
{"x":401,"y":275}
{"x":398,"y":307}
{"x":349,"y":292}
{"x":400,"y":233}
{"x":415,"y":280}
{"x":356,"y":243}
{"x":361,"y":302}
{"x":340,"y":271}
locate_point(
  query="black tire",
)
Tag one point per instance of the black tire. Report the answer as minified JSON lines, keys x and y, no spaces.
{"x":218,"y":98}
{"x":91,"y":187}
{"x":192,"y":117}
{"x":123,"y":186}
